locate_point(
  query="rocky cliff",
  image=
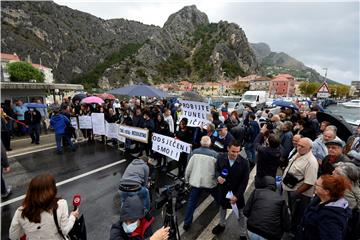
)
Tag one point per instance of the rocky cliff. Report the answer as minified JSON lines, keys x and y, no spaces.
{"x":68,"y":41}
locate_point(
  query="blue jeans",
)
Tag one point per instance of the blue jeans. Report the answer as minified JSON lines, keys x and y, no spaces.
{"x":250,"y":152}
{"x":58,"y":138}
{"x":193,"y":200}
{"x":254,"y":236}
{"x":143,"y":194}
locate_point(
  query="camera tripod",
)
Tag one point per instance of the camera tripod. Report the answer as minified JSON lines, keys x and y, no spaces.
{"x":170,"y":218}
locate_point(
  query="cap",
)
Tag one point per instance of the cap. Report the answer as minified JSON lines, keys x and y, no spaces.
{"x":221,"y":126}
{"x":132,"y":209}
{"x":336,"y":141}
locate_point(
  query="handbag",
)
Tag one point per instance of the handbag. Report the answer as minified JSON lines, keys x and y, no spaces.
{"x":290,"y":180}
{"x":78,"y":232}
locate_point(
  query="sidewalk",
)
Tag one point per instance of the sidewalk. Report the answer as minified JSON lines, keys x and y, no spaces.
{"x":22,"y":146}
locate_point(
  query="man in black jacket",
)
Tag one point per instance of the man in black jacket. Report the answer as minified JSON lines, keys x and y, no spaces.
{"x":266,"y":210}
{"x":268,"y":157}
{"x":33,"y":121}
{"x":232,"y":172}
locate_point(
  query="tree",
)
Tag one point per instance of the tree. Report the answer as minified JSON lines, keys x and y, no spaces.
{"x":240,"y":87}
{"x":309,"y":88}
{"x":24,"y":72}
{"x":339,"y":90}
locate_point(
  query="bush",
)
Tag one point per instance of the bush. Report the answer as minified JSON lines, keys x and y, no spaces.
{"x":24,"y":72}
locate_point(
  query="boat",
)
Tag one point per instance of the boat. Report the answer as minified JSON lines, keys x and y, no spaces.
{"x":352,"y":104}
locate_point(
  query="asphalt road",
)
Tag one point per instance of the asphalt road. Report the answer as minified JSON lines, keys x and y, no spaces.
{"x":94,"y":171}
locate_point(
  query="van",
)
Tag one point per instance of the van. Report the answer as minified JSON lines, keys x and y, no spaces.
{"x":255,"y":99}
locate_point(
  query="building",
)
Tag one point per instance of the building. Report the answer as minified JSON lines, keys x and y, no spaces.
{"x":49,"y":77}
{"x":5,"y":59}
{"x":30,"y":91}
{"x":356,"y":87}
{"x":282,"y":85}
{"x":260,"y":83}
{"x":10,"y":58}
{"x":185,"y":86}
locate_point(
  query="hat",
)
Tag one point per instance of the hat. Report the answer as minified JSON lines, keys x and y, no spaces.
{"x":336,"y":141}
{"x":132,"y":209}
{"x":221,"y":126}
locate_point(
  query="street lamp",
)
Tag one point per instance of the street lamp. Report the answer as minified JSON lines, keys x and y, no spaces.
{"x":325,"y":73}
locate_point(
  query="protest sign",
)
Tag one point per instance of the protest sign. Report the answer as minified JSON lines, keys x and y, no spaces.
{"x":196,"y":112}
{"x":85,"y":122}
{"x":98,"y":123}
{"x":168,"y":146}
{"x":112,"y":130}
{"x":74,"y":122}
{"x":134,"y":133}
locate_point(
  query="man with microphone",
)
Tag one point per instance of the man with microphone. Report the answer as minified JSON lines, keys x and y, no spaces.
{"x":232,"y":172}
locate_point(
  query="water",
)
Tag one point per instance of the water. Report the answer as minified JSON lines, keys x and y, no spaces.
{"x":349,"y":114}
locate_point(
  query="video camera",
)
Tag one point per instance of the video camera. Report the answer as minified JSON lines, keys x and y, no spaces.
{"x":179,"y":190}
{"x":269,"y":124}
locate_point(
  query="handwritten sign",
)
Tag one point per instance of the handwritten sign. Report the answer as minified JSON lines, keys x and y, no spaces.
{"x":85,"y":122}
{"x":168,"y":146}
{"x":134,"y":133}
{"x":196,"y":112}
{"x":98,"y":123}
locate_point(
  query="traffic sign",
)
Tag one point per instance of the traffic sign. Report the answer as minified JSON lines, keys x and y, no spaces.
{"x":323,"y":91}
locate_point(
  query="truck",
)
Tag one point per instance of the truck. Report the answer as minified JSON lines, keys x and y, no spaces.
{"x":254,"y":99}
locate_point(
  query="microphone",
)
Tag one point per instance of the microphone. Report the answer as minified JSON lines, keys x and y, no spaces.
{"x":76,"y":201}
{"x":224,"y":173}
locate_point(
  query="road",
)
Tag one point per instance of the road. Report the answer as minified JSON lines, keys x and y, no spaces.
{"x":94,"y":171}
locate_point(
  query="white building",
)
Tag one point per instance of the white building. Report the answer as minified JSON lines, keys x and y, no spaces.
{"x":5,"y":59}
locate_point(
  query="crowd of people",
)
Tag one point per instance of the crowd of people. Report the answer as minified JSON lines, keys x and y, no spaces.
{"x":319,"y":195}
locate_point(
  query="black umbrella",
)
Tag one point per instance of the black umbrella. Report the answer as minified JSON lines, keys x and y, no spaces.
{"x":344,"y":130}
{"x":139,"y":90}
{"x":79,"y":96}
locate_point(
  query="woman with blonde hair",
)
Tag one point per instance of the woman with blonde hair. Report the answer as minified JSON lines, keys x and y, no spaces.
{"x":35,"y":217}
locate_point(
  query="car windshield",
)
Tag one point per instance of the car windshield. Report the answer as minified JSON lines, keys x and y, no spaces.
{"x":249,"y":97}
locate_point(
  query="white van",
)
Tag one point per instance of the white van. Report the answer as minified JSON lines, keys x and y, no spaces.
{"x":256,"y":99}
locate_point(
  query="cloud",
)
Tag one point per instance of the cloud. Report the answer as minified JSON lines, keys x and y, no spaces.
{"x":316,"y":33}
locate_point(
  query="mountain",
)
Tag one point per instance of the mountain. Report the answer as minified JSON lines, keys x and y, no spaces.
{"x":189,"y":47}
{"x":82,"y":48}
{"x":272,"y":63}
{"x":68,"y":41}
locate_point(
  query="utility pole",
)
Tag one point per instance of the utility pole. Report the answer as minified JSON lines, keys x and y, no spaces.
{"x":325,"y":73}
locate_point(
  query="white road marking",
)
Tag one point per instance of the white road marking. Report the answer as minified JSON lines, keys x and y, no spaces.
{"x":199,"y":210}
{"x":68,"y":180}
{"x":51,"y":146}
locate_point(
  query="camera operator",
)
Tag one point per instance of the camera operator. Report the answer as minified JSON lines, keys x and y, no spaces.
{"x":135,"y":224}
{"x":268,"y":156}
{"x":232,"y":172}
{"x":134,"y":181}
{"x":200,"y":173}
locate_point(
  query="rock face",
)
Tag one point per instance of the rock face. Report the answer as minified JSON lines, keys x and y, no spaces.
{"x":272,"y":63}
{"x":68,"y":41}
{"x":75,"y":44}
{"x":189,"y":47}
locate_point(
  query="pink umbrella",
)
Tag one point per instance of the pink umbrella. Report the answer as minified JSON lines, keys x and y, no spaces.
{"x":106,"y":96}
{"x":92,"y":99}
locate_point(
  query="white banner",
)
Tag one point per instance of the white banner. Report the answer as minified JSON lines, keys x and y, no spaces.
{"x":168,"y":146}
{"x":112,"y":130}
{"x":98,"y":123}
{"x":196,"y":112}
{"x":85,"y":122}
{"x":74,"y":123}
{"x":134,"y":133}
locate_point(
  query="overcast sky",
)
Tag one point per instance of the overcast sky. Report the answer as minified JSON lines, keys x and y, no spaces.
{"x":321,"y":35}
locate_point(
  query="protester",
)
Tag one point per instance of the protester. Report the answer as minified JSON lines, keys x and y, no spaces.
{"x":134,"y":224}
{"x":5,"y":168}
{"x":266,"y":211}
{"x":252,"y":129}
{"x":224,"y":138}
{"x":169,"y":119}
{"x":200,"y":174}
{"x":5,"y":131}
{"x":184,"y":134}
{"x":268,"y":157}
{"x":319,"y":148}
{"x":286,"y":140}
{"x":335,"y":155}
{"x":327,"y":214}
{"x":33,"y":122}
{"x":134,"y":181}
{"x":44,"y":116}
{"x":232,"y":172}
{"x":354,"y":150}
{"x":59,"y":122}
{"x":295,"y":141}
{"x":19,"y":111}
{"x":298,"y":181}
{"x":35,"y":217}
